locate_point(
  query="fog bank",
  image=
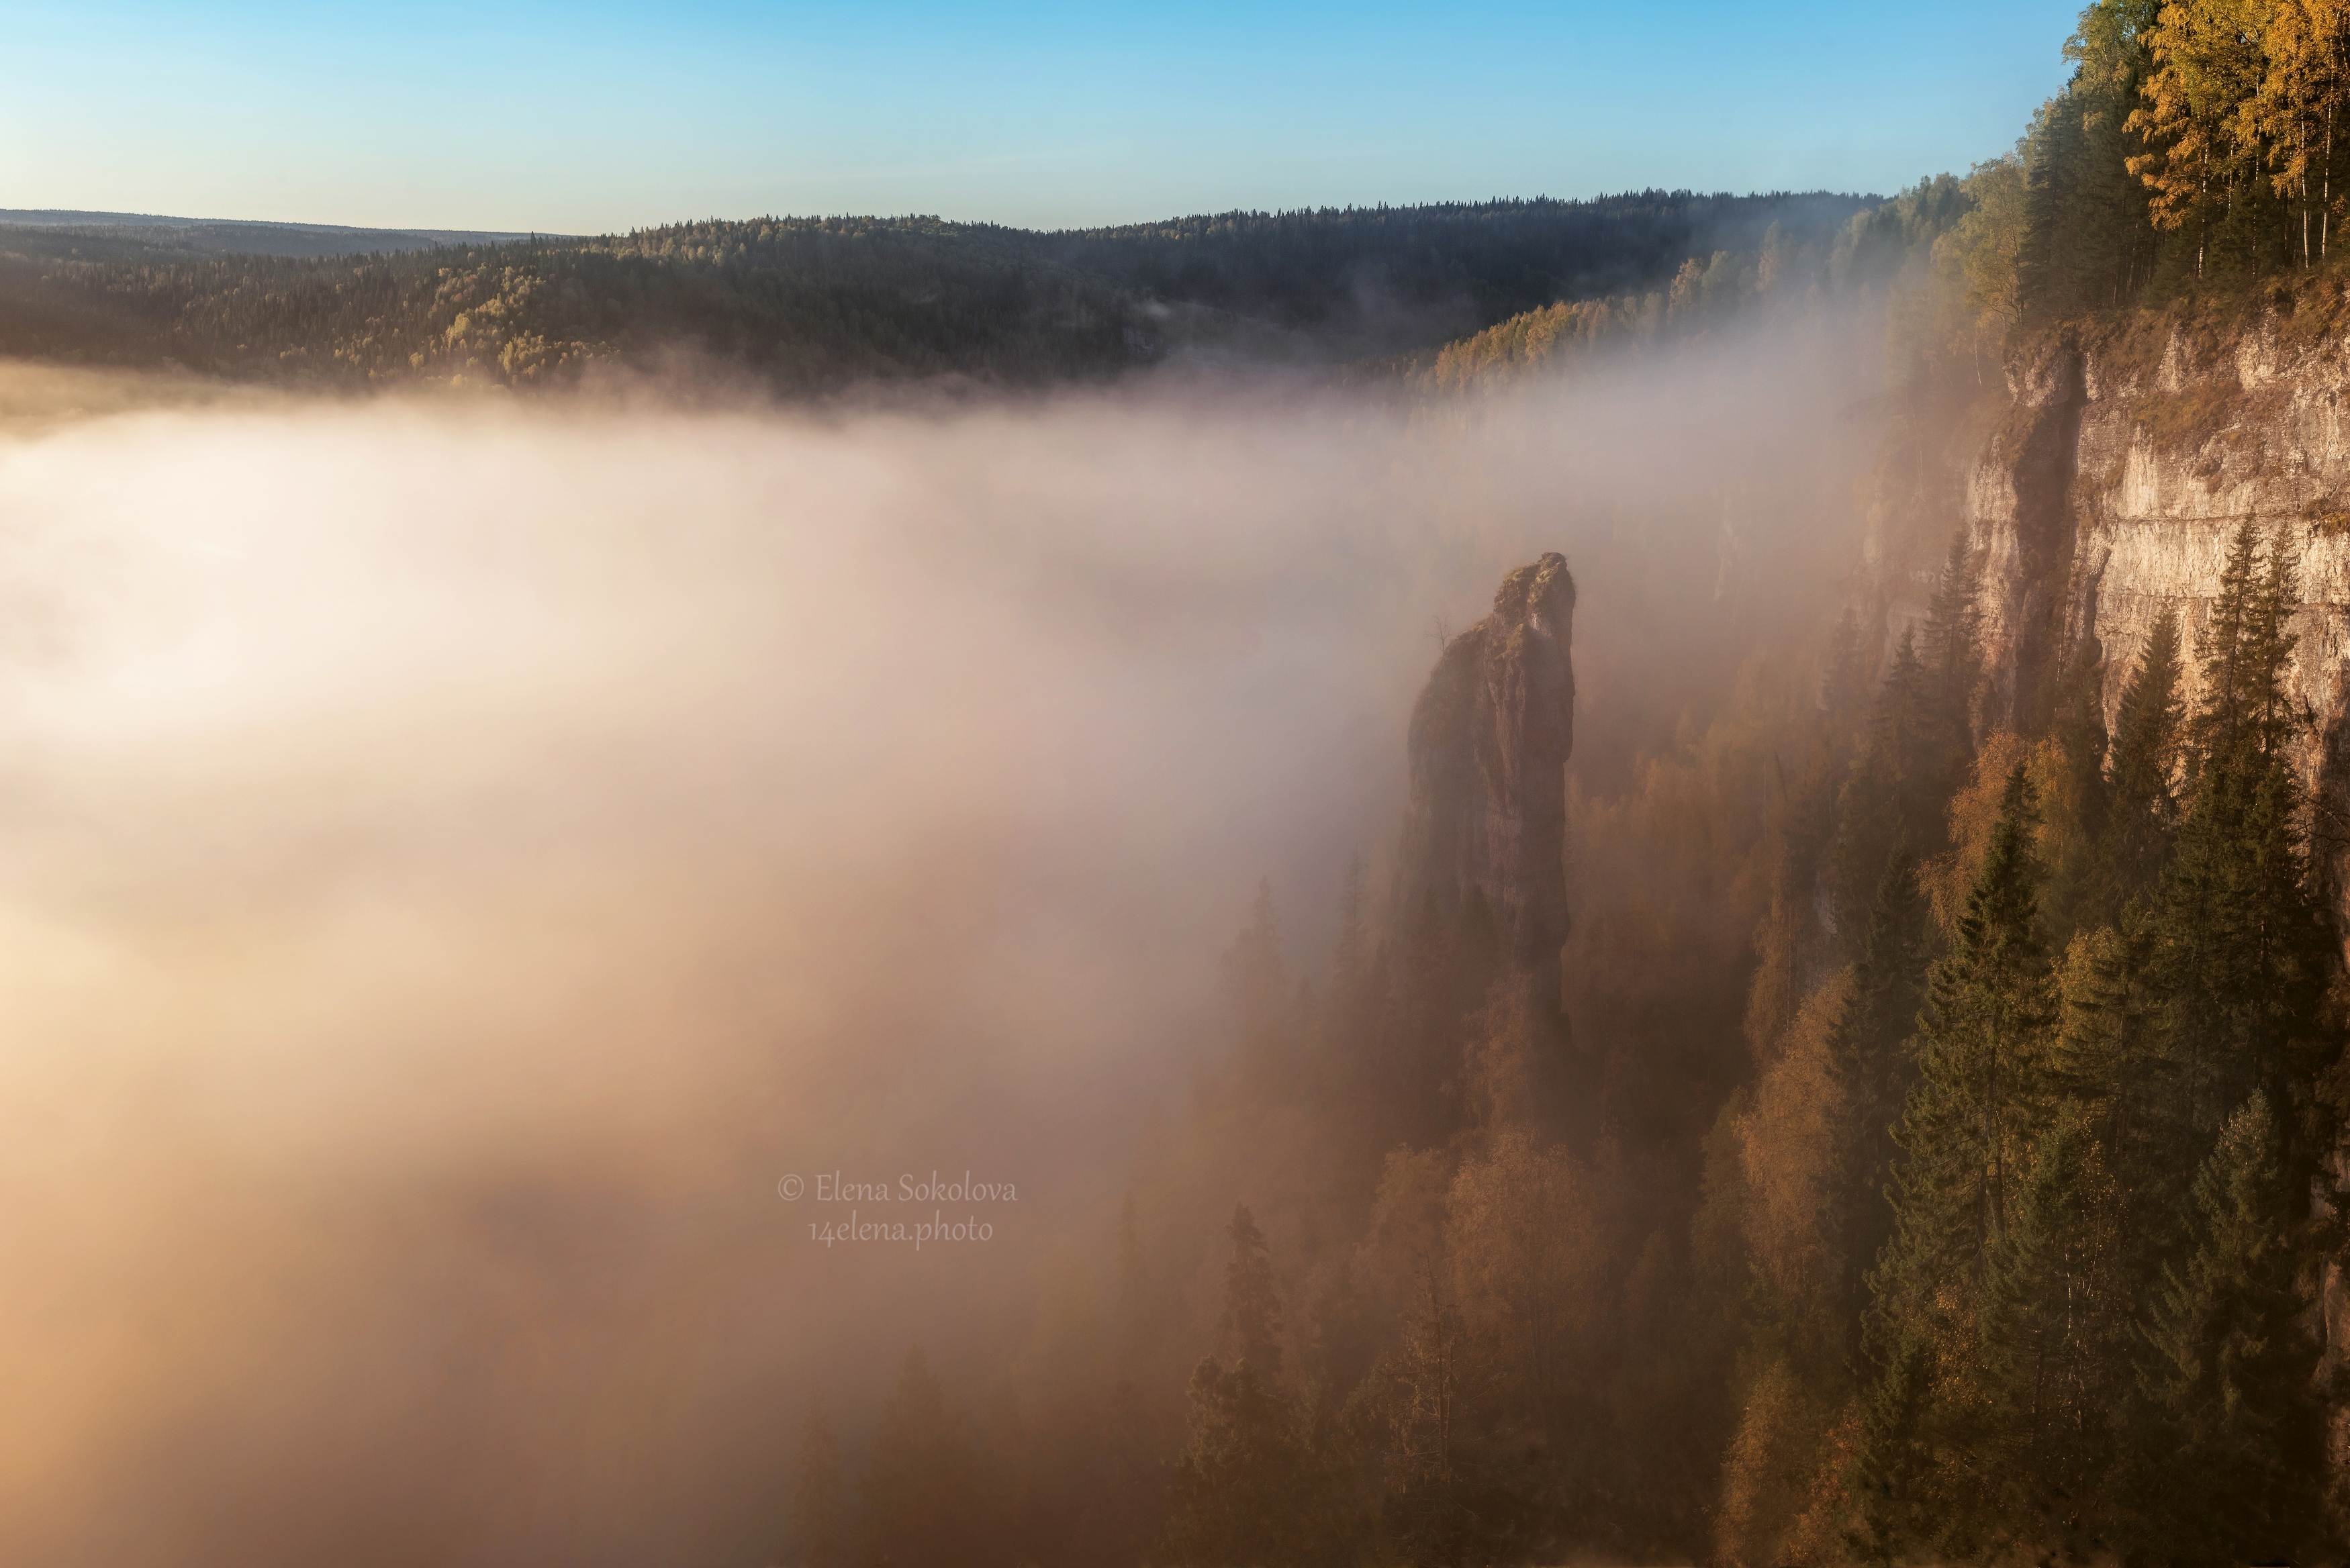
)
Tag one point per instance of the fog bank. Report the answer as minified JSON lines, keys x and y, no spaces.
{"x":456,"y":858}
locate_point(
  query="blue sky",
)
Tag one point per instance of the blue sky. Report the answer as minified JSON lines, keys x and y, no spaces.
{"x":588,"y":116}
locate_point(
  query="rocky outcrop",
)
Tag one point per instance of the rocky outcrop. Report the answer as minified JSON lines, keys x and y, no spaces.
{"x":1489,"y":744}
{"x":2108,"y":497}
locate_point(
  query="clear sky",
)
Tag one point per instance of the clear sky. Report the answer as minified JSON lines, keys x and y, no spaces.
{"x":589,"y":115}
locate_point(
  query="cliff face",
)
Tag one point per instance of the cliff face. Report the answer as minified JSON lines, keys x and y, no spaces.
{"x":1489,"y":744}
{"x":2107,"y":497}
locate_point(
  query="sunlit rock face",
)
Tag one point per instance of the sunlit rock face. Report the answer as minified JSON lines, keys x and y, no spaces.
{"x":1489,"y":742}
{"x":2107,"y":498}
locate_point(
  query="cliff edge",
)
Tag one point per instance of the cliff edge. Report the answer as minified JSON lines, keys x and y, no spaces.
{"x":2107,"y":499}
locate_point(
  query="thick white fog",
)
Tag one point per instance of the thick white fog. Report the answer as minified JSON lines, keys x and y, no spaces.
{"x":455,"y":858}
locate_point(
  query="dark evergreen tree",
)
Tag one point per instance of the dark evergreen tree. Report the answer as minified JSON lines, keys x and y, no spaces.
{"x":2074,"y":893}
{"x":1870,"y":1054}
{"x":2142,"y":810}
{"x":1246,"y":1489}
{"x":1918,"y":744}
{"x":2242,"y":951}
{"x":1248,"y":1332}
{"x":1258,"y":978}
{"x":2055,"y":1357}
{"x":924,"y":1504}
{"x":1138,"y":1309}
{"x":1980,"y":1096}
{"x":1894,"y":796}
{"x":2237,"y":1459}
{"x":1950,"y":642}
{"x":1413,"y":1408}
{"x":818,"y":1525}
{"x":1843,"y":670}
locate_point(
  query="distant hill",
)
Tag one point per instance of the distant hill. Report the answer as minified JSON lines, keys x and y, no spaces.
{"x":239,"y":236}
{"x":815,"y":304}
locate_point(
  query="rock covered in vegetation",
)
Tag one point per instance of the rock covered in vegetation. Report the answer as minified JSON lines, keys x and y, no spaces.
{"x":1490,"y":738}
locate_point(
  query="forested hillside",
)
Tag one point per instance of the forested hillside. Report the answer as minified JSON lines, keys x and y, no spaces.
{"x":818,"y":303}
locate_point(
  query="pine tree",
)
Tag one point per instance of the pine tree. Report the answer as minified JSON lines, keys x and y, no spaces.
{"x":1894,"y":796}
{"x":1246,"y":1488}
{"x":2055,"y":1349}
{"x":2050,"y":262}
{"x":1414,"y":1398}
{"x":2237,"y":1447}
{"x":1250,"y":1329}
{"x":2108,"y":1064}
{"x":816,"y":1516}
{"x":1844,"y":679}
{"x":1903,"y":1483}
{"x":2142,"y":812}
{"x":924,"y":1507}
{"x":1951,"y":643}
{"x":1136,"y":1305}
{"x":1258,"y":981}
{"x":1352,"y":956}
{"x":1919,"y":740}
{"x":1980,"y":1059}
{"x":1980,"y":1096}
{"x":2242,"y":951}
{"x":2080,"y":803}
{"x":1871,"y":1059}
{"x":2228,"y":650}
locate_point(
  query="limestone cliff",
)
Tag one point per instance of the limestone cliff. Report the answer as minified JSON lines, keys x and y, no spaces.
{"x":2106,"y":497}
{"x":1489,"y":744}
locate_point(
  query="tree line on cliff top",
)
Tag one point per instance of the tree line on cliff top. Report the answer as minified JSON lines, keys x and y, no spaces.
{"x":2200,"y":148}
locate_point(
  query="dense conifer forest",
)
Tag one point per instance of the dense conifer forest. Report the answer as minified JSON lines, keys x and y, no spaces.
{"x":817,"y":305}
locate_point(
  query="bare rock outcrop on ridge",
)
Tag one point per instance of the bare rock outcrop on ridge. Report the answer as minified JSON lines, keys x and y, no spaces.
{"x":1490,"y":738}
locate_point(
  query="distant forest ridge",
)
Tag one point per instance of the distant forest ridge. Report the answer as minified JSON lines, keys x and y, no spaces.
{"x":815,"y":305}
{"x":249,"y":236}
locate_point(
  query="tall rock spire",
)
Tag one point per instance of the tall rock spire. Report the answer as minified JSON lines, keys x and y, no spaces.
{"x":1490,"y":738}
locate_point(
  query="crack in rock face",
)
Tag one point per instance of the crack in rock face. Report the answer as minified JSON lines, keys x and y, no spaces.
{"x":1490,"y":738}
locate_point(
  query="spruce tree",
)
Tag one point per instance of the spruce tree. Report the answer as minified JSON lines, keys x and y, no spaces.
{"x":817,"y":1520}
{"x":1894,"y":796}
{"x":2243,"y":951}
{"x":1871,"y":1059}
{"x":1844,"y":673}
{"x":1904,"y":1496}
{"x":2109,"y":1067}
{"x":1415,"y":1398}
{"x":1250,"y":1328}
{"x":1138,"y":1313}
{"x":1243,"y":1486}
{"x":2082,"y":804}
{"x":2055,"y":1356}
{"x":2142,"y":802}
{"x":1980,"y":1095}
{"x":1950,"y":640}
{"x":2050,"y":261}
{"x":1919,"y":740}
{"x":924,"y":1504}
{"x":1258,"y":982}
{"x":1981,"y":1061}
{"x":2236,"y":1445}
